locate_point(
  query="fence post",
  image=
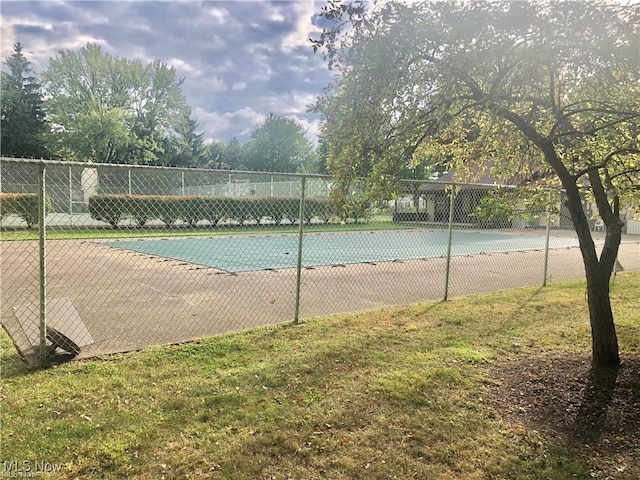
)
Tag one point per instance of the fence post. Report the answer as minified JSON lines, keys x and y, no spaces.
{"x":129,"y":180}
{"x":182,"y":190}
{"x":70,"y":199}
{"x":546,"y":249}
{"x":42,"y":236}
{"x":449,"y":240}
{"x":296,"y":318}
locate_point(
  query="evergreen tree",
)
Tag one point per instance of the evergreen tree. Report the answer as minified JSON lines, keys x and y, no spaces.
{"x":227,"y":156}
{"x":186,"y":149}
{"x":23,"y":125}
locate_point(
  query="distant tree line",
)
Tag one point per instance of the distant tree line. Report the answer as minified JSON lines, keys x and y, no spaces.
{"x":91,"y":106}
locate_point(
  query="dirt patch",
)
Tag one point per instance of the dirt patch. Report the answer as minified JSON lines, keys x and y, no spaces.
{"x":594,"y":410}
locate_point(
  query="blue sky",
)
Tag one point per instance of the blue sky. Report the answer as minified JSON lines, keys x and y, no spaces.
{"x":241,"y":60}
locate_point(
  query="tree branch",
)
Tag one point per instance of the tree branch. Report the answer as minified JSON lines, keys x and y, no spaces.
{"x":605,"y":162}
{"x":564,"y":118}
{"x":593,"y":131}
{"x":626,"y":173}
{"x":600,"y":196}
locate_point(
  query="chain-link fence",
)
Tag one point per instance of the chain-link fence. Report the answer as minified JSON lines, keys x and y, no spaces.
{"x":109,"y":258}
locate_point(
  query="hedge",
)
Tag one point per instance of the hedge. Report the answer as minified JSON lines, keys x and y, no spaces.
{"x":24,"y":205}
{"x":193,"y":209}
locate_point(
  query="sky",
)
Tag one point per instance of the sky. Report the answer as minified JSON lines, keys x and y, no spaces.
{"x":241,"y":60}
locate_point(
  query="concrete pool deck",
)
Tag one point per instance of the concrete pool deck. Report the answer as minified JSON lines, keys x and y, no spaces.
{"x":129,"y":300}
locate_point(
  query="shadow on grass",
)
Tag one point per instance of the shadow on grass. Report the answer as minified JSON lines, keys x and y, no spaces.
{"x":12,"y":365}
{"x":597,"y":398}
{"x":533,"y":295}
{"x":564,"y":397}
{"x":592,"y":412}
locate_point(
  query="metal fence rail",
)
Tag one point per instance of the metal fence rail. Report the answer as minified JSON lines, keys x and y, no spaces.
{"x":109,"y":258}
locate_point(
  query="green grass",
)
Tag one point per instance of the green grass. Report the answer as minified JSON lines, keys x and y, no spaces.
{"x":66,"y":233}
{"x":393,"y":393}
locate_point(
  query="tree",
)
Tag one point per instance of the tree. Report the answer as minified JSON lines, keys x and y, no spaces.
{"x":546,"y":90}
{"x":318,"y":163}
{"x":226,"y":156}
{"x":114,"y":110}
{"x":278,"y":145}
{"x":23,"y":127}
{"x":186,"y":149}
{"x":233,"y":154}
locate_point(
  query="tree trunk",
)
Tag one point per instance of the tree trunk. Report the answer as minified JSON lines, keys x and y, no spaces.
{"x":597,"y":271}
{"x":604,"y":342}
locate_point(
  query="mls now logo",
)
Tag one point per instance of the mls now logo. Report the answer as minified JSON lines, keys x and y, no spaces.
{"x":27,"y":468}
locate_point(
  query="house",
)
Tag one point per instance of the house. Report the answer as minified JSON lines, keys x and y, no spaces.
{"x":431,"y":201}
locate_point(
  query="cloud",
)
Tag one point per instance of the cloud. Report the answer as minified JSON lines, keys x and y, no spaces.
{"x":7,"y":39}
{"x":287,"y":103}
{"x":218,"y":14}
{"x":240,"y":61}
{"x":213,"y":84}
{"x":230,"y":124}
{"x":304,"y":27}
{"x":183,"y":66}
{"x":80,"y":41}
{"x":311,"y":127}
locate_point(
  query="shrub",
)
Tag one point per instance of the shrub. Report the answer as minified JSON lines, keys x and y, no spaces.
{"x":193,"y":209}
{"x":359,"y":209}
{"x":274,"y":209}
{"x":326,"y":212}
{"x":107,"y":208}
{"x":291,"y":208}
{"x":140,"y":208}
{"x":317,"y":208}
{"x":169,"y":210}
{"x":212,"y":210}
{"x":356,"y":209}
{"x":24,"y":205}
{"x":226,"y":206}
{"x":240,"y":210}
{"x":258,"y":208}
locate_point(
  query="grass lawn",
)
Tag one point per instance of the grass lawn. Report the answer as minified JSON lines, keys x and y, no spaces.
{"x":481,"y":387}
{"x":66,"y":232}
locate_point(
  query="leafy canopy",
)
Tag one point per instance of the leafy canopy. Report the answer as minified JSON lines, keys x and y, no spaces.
{"x":110,"y":109}
{"x":541,"y":91}
{"x":278,"y":145}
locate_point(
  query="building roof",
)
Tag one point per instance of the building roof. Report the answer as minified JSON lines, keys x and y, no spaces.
{"x":481,"y":181}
